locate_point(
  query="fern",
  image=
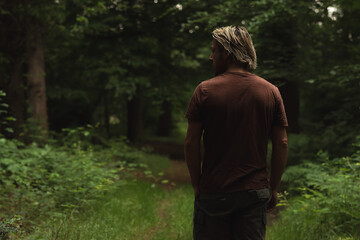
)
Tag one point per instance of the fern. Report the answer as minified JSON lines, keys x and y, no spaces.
{"x":324,"y":198}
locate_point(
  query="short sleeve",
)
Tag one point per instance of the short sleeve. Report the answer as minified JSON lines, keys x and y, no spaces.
{"x":280,"y":118}
{"x":194,"y":111}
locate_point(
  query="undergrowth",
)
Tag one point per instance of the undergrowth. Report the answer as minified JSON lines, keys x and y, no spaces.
{"x":179,"y":207}
{"x":132,"y":210}
{"x":77,"y":190}
{"x":47,"y":183}
{"x":324,"y":200}
{"x":127,"y":212}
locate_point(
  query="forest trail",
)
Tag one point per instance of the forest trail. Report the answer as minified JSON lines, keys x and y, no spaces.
{"x":177,"y":172}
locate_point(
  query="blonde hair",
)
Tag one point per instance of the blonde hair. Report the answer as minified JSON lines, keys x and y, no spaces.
{"x":237,"y":41}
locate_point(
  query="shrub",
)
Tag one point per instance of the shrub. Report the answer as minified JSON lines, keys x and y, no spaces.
{"x":46,"y":181}
{"x":325,"y":203}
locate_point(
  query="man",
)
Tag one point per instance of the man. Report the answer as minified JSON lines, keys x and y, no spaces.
{"x":236,"y":112}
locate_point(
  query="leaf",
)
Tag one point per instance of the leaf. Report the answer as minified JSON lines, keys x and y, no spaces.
{"x":6,"y":161}
{"x":10,"y":118}
{"x":82,"y":19}
{"x":9,"y":130}
{"x":148,"y":172}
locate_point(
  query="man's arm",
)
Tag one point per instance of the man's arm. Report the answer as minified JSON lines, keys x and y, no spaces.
{"x":278,"y":161}
{"x":193,"y":153}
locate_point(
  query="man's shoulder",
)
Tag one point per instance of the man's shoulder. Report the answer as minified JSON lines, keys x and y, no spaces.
{"x":209,"y":83}
{"x":219,"y":79}
{"x":249,"y":81}
{"x":249,"y":77}
{"x":262,"y":81}
{"x":212,"y":80}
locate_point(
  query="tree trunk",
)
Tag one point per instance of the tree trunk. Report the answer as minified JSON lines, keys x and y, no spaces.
{"x":165,"y":120}
{"x":36,"y":77}
{"x":134,"y":119}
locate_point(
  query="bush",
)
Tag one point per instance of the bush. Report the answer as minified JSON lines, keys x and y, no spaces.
{"x":325,"y":199}
{"x":331,"y":108}
{"x":47,"y":181}
{"x":53,"y":182}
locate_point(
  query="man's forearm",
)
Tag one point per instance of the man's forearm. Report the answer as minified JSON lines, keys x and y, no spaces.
{"x":193,"y":161}
{"x":278,"y":163}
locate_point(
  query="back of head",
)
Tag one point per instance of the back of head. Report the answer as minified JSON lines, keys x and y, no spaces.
{"x":237,"y":41}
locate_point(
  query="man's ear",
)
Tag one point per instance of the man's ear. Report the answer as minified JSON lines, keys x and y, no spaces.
{"x":227,"y":55}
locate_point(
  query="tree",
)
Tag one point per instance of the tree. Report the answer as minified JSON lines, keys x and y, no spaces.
{"x":26,"y":23}
{"x":36,"y":75}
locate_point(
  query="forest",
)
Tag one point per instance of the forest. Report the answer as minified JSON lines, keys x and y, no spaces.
{"x":92,"y":101}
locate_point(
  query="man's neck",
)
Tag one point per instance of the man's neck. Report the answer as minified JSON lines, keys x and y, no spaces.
{"x":236,"y":68}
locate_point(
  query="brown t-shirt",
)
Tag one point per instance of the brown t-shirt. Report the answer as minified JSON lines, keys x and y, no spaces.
{"x":237,"y":111}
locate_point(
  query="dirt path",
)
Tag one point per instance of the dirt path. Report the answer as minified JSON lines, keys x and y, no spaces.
{"x":177,"y":172}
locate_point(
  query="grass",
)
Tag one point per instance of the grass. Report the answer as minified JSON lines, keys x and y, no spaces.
{"x":141,"y":210}
{"x":137,"y":210}
{"x":125,"y":213}
{"x":297,"y":223}
{"x":178,"y":218}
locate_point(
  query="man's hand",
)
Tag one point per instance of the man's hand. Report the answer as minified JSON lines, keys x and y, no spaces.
{"x":273,"y":201}
{"x":196,"y":191}
{"x":192,"y":153}
{"x":278,"y":162}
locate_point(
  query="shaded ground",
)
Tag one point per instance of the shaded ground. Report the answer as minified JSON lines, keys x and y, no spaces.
{"x":173,"y":150}
{"x":177,"y":172}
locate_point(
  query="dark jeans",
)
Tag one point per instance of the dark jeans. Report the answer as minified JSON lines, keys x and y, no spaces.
{"x":231,"y":216}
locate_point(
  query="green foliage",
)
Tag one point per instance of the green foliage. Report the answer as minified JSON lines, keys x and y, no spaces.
{"x":132,"y":210}
{"x":337,"y":97}
{"x":48,"y":181}
{"x":84,"y":138}
{"x":119,"y":151}
{"x":129,"y":161}
{"x":5,"y":119}
{"x":54,"y":182}
{"x":100,"y":54}
{"x":9,"y":226}
{"x":178,"y":206}
{"x":127,"y":212}
{"x":31,"y":132}
{"x":324,"y":201}
{"x":300,"y":147}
